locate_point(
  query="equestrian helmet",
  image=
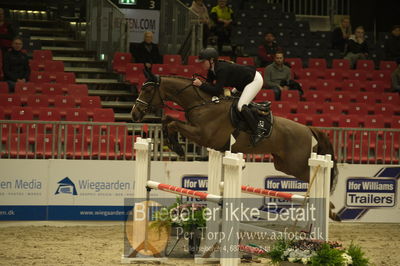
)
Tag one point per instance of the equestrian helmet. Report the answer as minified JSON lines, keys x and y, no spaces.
{"x":208,"y":53}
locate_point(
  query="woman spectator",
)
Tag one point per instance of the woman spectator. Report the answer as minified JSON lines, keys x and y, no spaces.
{"x":267,"y":50}
{"x":341,"y":34}
{"x":15,"y":64}
{"x":357,"y":47}
{"x":200,"y":9}
{"x":392,"y":45}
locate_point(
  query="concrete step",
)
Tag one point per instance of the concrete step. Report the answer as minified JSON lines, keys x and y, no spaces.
{"x":85,"y":69}
{"x":78,"y":59}
{"x":116,"y":104}
{"x":59,"y":41}
{"x":109,"y":93}
{"x":96,"y":81}
{"x":63,"y":49}
{"x":42,"y":23}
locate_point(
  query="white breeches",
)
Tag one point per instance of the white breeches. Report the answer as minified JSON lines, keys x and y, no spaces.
{"x":251,"y":90}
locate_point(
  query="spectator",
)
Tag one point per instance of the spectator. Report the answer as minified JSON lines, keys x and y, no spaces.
{"x":200,"y":9}
{"x":267,"y":50}
{"x":222,"y":15}
{"x":278,"y":77}
{"x":15,"y":65}
{"x":147,"y":52}
{"x":357,"y":47}
{"x":396,"y":78}
{"x":6,"y":33}
{"x":341,"y":34}
{"x":392,"y":45}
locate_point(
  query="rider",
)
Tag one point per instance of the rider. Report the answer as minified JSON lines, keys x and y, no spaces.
{"x":228,"y":74}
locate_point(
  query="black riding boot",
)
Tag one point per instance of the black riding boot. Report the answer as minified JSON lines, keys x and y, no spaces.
{"x":256,"y":125}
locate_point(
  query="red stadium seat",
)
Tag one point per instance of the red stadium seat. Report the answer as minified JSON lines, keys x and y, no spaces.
{"x":365,"y":64}
{"x":46,"y":146}
{"x":38,"y":101}
{"x":341,"y":64}
{"x":134,"y":73}
{"x":357,"y":109}
{"x":352,"y":121}
{"x":19,"y":146}
{"x":65,"y":77}
{"x":358,"y":74}
{"x":25,"y":88}
{"x":103,"y":147}
{"x":39,"y":77}
{"x":61,"y":101}
{"x":299,"y":118}
{"x":334,"y":109}
{"x":334,"y":74}
{"x":54,"y":66}
{"x":78,"y":89}
{"x":76,"y":147}
{"x":374,"y":86}
{"x":351,"y":85}
{"x":36,"y":65}
{"x":52,"y":89}
{"x":341,"y":96}
{"x":90,"y":102}
{"x":306,"y":84}
{"x":193,"y":60}
{"x":172,"y":59}
{"x":76,"y":114}
{"x":290,"y":95}
{"x":265,"y":95}
{"x":365,"y":97}
{"x":295,"y":63}
{"x":395,"y":123}
{"x":322,"y":120}
{"x":160,"y":69}
{"x":282,"y":107}
{"x":103,"y":115}
{"x":326,"y":85}
{"x":186,"y":70}
{"x":373,"y":121}
{"x":387,"y":65}
{"x":245,"y":61}
{"x":48,"y":114}
{"x":317,"y":63}
{"x":392,"y":98}
{"x":307,"y":108}
{"x":386,"y":153}
{"x":317,"y":96}
{"x":42,"y":55}
{"x":384,"y":109}
{"x":120,"y":61}
{"x":308,"y":73}
{"x":358,"y":152}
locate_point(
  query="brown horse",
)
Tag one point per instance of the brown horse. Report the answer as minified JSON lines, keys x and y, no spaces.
{"x":209,"y":125}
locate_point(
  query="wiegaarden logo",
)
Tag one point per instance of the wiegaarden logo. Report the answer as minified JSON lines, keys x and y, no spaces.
{"x":66,"y":186}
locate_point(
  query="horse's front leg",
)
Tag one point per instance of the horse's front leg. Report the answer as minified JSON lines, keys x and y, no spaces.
{"x":171,"y":137}
{"x":189,"y":131}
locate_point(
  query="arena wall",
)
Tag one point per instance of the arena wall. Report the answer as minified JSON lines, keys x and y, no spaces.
{"x":96,"y":190}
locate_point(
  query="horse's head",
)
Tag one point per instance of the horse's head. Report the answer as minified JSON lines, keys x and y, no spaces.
{"x":149,"y":97}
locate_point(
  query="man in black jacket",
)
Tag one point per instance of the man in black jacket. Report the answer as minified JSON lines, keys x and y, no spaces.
{"x":392,"y":45}
{"x":15,"y":65}
{"x":147,"y":52}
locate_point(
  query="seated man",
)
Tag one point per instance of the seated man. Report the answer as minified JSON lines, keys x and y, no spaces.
{"x":15,"y":65}
{"x":357,"y":47}
{"x":278,"y":77}
{"x":147,"y":52}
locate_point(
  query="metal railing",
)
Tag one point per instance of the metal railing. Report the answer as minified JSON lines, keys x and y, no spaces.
{"x":106,"y":29}
{"x":114,"y":141}
{"x":315,"y":7}
{"x":180,"y":28}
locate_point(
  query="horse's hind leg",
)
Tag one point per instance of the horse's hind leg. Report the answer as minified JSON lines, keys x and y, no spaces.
{"x":171,"y":136}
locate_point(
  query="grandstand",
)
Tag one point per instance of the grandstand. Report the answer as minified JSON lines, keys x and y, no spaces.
{"x":77,"y":101}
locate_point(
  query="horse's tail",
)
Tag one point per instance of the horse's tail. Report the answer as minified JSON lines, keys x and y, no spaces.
{"x":325,"y":147}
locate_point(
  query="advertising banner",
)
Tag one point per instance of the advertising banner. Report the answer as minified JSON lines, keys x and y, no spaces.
{"x":139,"y":21}
{"x":97,"y":190}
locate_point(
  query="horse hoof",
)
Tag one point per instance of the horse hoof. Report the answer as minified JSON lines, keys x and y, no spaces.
{"x":178,"y":149}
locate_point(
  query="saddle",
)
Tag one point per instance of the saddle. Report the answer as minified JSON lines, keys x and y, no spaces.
{"x":261,"y":112}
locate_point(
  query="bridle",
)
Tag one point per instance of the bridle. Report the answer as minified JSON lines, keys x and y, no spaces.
{"x":156,"y":85}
